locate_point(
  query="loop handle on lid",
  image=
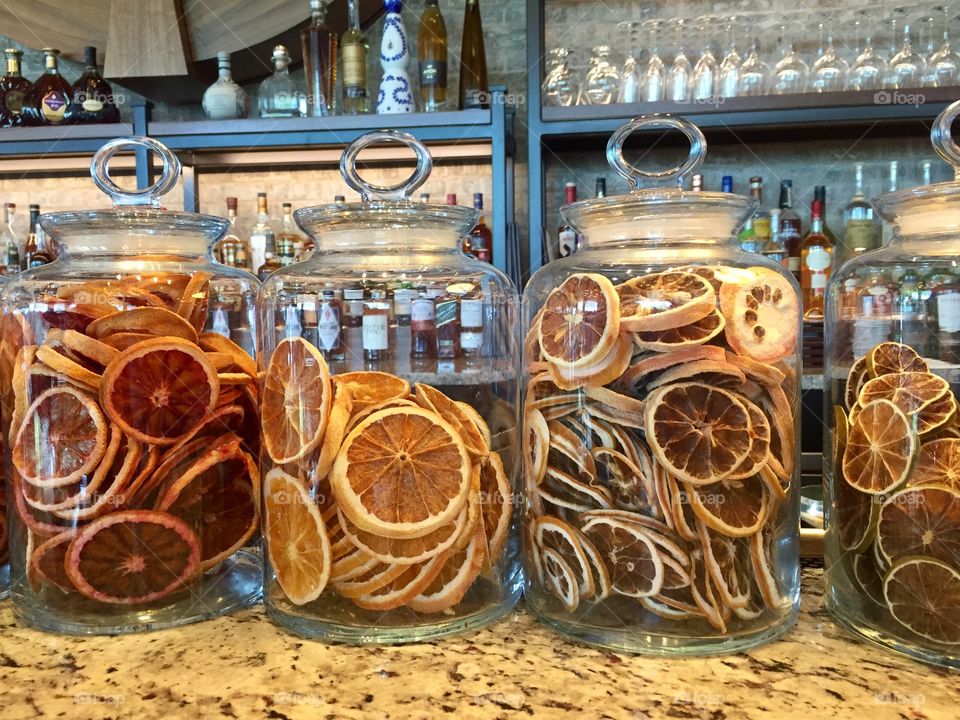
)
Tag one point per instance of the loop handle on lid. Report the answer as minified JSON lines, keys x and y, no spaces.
{"x":941,"y":136}
{"x":400,"y":191}
{"x":100,"y":171}
{"x":653,"y":178}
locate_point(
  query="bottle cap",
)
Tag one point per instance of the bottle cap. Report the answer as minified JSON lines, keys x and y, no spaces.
{"x":231,"y":203}
{"x":451,"y":198}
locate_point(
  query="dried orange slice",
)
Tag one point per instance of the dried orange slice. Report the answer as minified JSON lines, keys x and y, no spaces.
{"x":478,"y":422}
{"x":894,"y":357}
{"x":124,"y":340}
{"x":701,"y":590}
{"x":297,"y":542}
{"x":497,"y":504}
{"x":759,"y":454}
{"x":536,"y":446}
{"x":880,"y":448}
{"x":735,"y":508}
{"x":920,"y":521}
{"x":938,"y":463}
{"x":717,"y":373}
{"x":857,"y":376}
{"x":910,"y":391}
{"x":153,"y":321}
{"x":403,"y":588}
{"x":88,"y":347}
{"x":72,"y":369}
{"x":855,"y":512}
{"x":701,"y":434}
{"x":606,"y":371}
{"x":214,"y":342}
{"x":133,"y":557}
{"x":937,"y":414}
{"x":46,"y":562}
{"x":580,"y":322}
{"x":763,"y":571}
{"x":696,"y":333}
{"x":869,"y":577}
{"x":369,"y":388}
{"x":457,"y":576}
{"x":720,"y":562}
{"x":763,"y":315}
{"x":638,"y":374}
{"x":405,"y":551}
{"x":335,"y":431}
{"x":369,"y":578}
{"x":664,"y":300}
{"x":195,"y":300}
{"x":296,"y":400}
{"x":560,"y":579}
{"x":631,"y":558}
{"x":430,"y":398}
{"x":62,"y":438}
{"x":159,"y":389}
{"x":402,"y":473}
{"x":923,"y":595}
{"x":630,"y":486}
{"x":554,"y":534}
{"x":106,"y":292}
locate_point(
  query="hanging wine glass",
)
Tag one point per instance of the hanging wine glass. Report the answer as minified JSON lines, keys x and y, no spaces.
{"x":603,"y":79}
{"x":907,"y":65}
{"x":943,"y":65}
{"x":653,"y":80}
{"x":791,"y":72}
{"x":681,"y":71}
{"x":730,"y":65}
{"x":630,"y":77}
{"x":754,"y":73}
{"x":829,"y":72}
{"x":868,"y":68}
{"x":560,"y":86}
{"x":706,"y":73}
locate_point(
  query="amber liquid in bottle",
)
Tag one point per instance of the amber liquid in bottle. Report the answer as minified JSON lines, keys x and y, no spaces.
{"x":376,"y":326}
{"x":447,"y":313}
{"x":91,"y":99}
{"x":35,"y":252}
{"x":432,"y":53}
{"x":51,"y":93}
{"x":423,"y":327}
{"x":481,"y":239}
{"x":319,"y":61}
{"x":474,"y":90}
{"x":15,"y":91}
{"x":816,"y":258}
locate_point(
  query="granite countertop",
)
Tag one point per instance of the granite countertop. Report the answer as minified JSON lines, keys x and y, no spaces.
{"x":243,"y":666}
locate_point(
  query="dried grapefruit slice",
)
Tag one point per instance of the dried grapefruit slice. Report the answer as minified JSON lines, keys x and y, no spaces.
{"x":335,"y":432}
{"x":405,"y":551}
{"x":296,"y":400}
{"x":369,"y":388}
{"x":910,"y":391}
{"x":629,"y":555}
{"x":46,"y":562}
{"x":402,"y":473}
{"x":151,"y":320}
{"x":88,"y":347}
{"x":580,"y":321}
{"x":559,"y":579}
{"x":763,"y":315}
{"x":880,"y":448}
{"x":938,"y":463}
{"x":920,"y":521}
{"x":455,"y":578}
{"x":297,"y":542}
{"x":701,"y":434}
{"x":606,"y":371}
{"x":735,"y":508}
{"x":432,"y":399}
{"x":62,"y":438}
{"x":664,"y":300}
{"x":923,"y":595}
{"x":894,"y":357}
{"x":697,"y":333}
{"x":72,"y":369}
{"x":133,"y":557}
{"x":404,"y":588}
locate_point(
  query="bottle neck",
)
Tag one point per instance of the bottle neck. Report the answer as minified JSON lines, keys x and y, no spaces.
{"x":51,"y":65}
{"x":13,"y":66}
{"x":353,"y":14}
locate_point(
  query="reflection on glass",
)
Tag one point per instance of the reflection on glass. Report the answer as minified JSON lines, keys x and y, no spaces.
{"x":868,"y":68}
{"x":907,"y":66}
{"x":754,"y":74}
{"x":730,"y":65}
{"x":560,"y":87}
{"x":706,"y":71}
{"x":603,"y":79}
{"x":790,"y":73}
{"x":681,"y":71}
{"x":943,"y":64}
{"x":653,"y":84}
{"x":829,"y":72}
{"x":630,"y":76}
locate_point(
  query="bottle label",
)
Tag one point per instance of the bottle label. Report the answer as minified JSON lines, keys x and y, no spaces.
{"x":948,"y":312}
{"x":470,"y":340}
{"x":354,"y":65}
{"x":258,"y":251}
{"x":793,"y":264}
{"x":53,"y":106}
{"x":328,"y":328}
{"x":859,"y":235}
{"x":353,"y":302}
{"x":446,"y":313}
{"x":818,"y":263}
{"x":433,"y":73}
{"x":14,"y":101}
{"x":91,"y":103}
{"x":422,"y":311}
{"x":568,"y":242}
{"x":376,"y":332}
{"x":471,"y":313}
{"x":401,"y":301}
{"x":761,"y":228}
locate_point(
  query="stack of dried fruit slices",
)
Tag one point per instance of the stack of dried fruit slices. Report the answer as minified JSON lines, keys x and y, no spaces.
{"x":659,"y":446}
{"x":133,"y":437}
{"x":896,"y":493}
{"x":388,"y":496}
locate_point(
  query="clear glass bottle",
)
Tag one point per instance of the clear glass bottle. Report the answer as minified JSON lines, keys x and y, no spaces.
{"x":279,"y":95}
{"x":861,"y":226}
{"x":8,"y":241}
{"x":354,"y":50}
{"x":262,"y":236}
{"x":139,"y":509}
{"x":225,"y":100}
{"x":389,"y":569}
{"x":319,"y":45}
{"x":890,"y":439}
{"x":432,"y":54}
{"x":644,"y":529}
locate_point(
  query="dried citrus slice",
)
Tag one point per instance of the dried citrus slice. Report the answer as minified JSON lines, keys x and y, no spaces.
{"x":696,"y":333}
{"x":759,"y":454}
{"x":701,"y":590}
{"x":195,"y":300}
{"x":763,"y":571}
{"x":536,"y":446}
{"x":921,"y":521}
{"x":369,"y":578}
{"x":405,"y":551}
{"x":457,"y":576}
{"x":369,"y":388}
{"x":629,"y":555}
{"x":855,"y":512}
{"x":46,"y":562}
{"x":296,"y":400}
{"x":938,"y":463}
{"x":910,"y":391}
{"x":601,"y":576}
{"x":430,"y":398}
{"x":630,"y":486}
{"x":62,"y":364}
{"x":580,"y":321}
{"x":553,"y":533}
{"x":720,"y":562}
{"x":735,"y":508}
{"x":167,"y":286}
{"x":151,"y":320}
{"x":936,"y":414}
{"x":857,"y":376}
{"x":894,"y":357}
{"x":402,"y":473}
{"x":335,"y":432}
{"x":297,"y":542}
{"x":869,"y":577}
{"x":701,"y":434}
{"x":106,"y":292}
{"x":880,"y":448}
{"x":606,"y":371}
{"x":923,"y":595}
{"x":763,"y":315}
{"x":124,"y":340}
{"x":718,"y":373}
{"x":62,"y":438}
{"x":559,"y":579}
{"x":88,"y":347}
{"x":133,"y":557}
{"x":638,"y":374}
{"x":664,"y":300}
{"x":497,"y":504}
{"x":403,"y":588}
{"x":159,"y":389}
{"x":477,"y":420}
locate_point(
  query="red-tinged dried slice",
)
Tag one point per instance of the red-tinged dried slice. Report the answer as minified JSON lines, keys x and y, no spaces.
{"x":125,"y":340}
{"x":455,"y":578}
{"x":923,"y":595}
{"x":166,"y":286}
{"x":46,"y":562}
{"x":62,"y":438}
{"x":133,"y":557}
{"x":763,"y":315}
{"x":604,"y":372}
{"x":580,"y":322}
{"x":155,"y":321}
{"x":638,"y":374}
{"x":909,"y":391}
{"x":880,"y":448}
{"x":920,"y":521}
{"x":553,"y":533}
{"x":894,"y":357}
{"x":629,"y":555}
{"x":560,"y":579}
{"x":75,"y":316}
{"x":89,"y":348}
{"x":106,"y":292}
{"x":938,"y":463}
{"x":664,"y":300}
{"x":696,"y":333}
{"x":735,"y":508}
{"x":214,"y":342}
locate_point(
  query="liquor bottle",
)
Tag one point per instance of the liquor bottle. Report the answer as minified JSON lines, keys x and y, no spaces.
{"x":288,"y":235}
{"x":91,"y":97}
{"x":474,"y":91}
{"x":481,"y":239}
{"x":225,"y":100}
{"x":446,"y":312}
{"x":424,"y":197}
{"x":8,"y":240}
{"x":756,"y":231}
{"x":15,"y":91}
{"x":35,"y":252}
{"x":893,"y":184}
{"x":774,"y":248}
{"x":395,"y":95}
{"x":262,"y":238}
{"x":403,"y":295}
{"x":232,"y":244}
{"x":354,"y":50}
{"x":319,"y":44}
{"x":860,"y":223}
{"x":726,"y":184}
{"x":874,"y":305}
{"x":696,"y":183}
{"x":432,"y":54}
{"x":423,"y":327}
{"x":911,"y":309}
{"x":471,"y":323}
{"x":271,"y":263}
{"x":816,"y":255}
{"x":51,"y":93}
{"x":791,"y":228}
{"x":330,"y":337}
{"x":820,"y":193}
{"x":601,"y":190}
{"x":279,"y":96}
{"x":286,"y":253}
{"x":945,"y":293}
{"x":339,"y":199}
{"x":353,"y":306}
{"x":376,"y":326}
{"x":567,"y":236}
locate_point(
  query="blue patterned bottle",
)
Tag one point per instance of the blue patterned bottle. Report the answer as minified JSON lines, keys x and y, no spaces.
{"x":395,"y":95}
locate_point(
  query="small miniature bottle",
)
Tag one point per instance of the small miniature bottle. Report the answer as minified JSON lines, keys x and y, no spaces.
{"x":330,"y":340}
{"x":446,"y":312}
{"x":471,"y":323}
{"x":225,"y":99}
{"x":402,"y":298}
{"x":423,"y":327}
{"x":353,"y":307}
{"x":376,"y":326}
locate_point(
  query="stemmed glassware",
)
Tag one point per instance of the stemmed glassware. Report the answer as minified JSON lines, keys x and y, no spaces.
{"x":560,"y":86}
{"x":868,"y":68}
{"x":791,"y":72}
{"x":706,"y":73}
{"x":730,"y":65}
{"x":754,"y":73}
{"x":907,"y":66}
{"x":630,"y":76}
{"x":681,"y":71}
{"x":653,"y":79}
{"x":943,"y":65}
{"x":603,"y":79}
{"x":829,"y":72}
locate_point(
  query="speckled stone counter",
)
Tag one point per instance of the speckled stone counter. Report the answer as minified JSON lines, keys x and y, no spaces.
{"x":244,"y":667}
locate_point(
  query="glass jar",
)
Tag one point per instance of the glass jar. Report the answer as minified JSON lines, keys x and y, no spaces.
{"x":892,"y":437}
{"x":389,"y":439}
{"x":660,"y":422}
{"x":133,"y":428}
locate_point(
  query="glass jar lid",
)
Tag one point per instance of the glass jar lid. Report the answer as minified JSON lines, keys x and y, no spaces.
{"x":658,"y":207}
{"x":386,"y":209}
{"x":137,"y":222}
